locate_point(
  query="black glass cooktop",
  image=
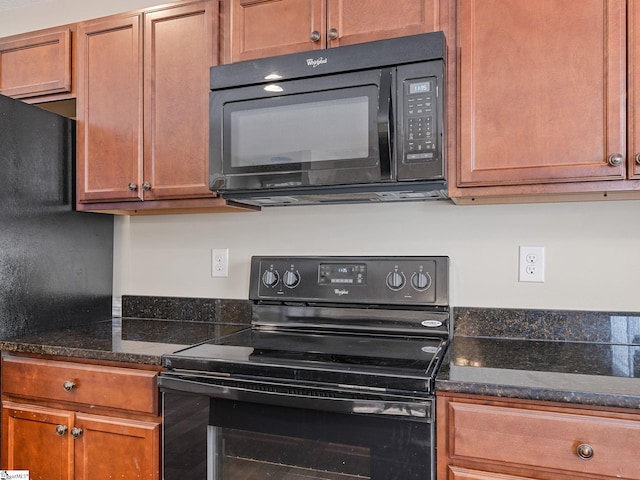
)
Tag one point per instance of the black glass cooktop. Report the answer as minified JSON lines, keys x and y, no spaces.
{"x":385,"y":361}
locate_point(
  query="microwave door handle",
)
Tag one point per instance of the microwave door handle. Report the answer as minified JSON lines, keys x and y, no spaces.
{"x":385,"y":125}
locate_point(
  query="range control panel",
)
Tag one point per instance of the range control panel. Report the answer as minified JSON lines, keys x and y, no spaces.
{"x":358,"y":280}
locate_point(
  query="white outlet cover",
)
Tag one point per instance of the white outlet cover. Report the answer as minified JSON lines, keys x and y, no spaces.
{"x":219,"y":262}
{"x":531,"y":264}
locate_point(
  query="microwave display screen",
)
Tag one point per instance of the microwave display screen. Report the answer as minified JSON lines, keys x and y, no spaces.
{"x":300,"y":132}
{"x":420,"y":87}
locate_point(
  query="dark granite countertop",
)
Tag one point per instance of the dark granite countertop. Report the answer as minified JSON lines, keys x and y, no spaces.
{"x":131,"y":340}
{"x":149,"y":327}
{"x":590,"y":358}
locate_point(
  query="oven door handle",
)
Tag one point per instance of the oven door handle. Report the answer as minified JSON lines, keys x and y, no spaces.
{"x":350,"y":402}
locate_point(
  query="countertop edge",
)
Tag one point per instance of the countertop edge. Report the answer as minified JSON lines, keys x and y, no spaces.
{"x":80,"y":353}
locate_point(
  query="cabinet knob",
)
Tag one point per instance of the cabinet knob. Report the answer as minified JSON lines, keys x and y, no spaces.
{"x":132,"y":187}
{"x":146,"y":186}
{"x":615,"y":159}
{"x":315,"y":36}
{"x":584,"y":451}
{"x":333,"y":34}
{"x":61,"y":430}
{"x":76,"y":432}
{"x":638,"y":159}
{"x":68,"y":386}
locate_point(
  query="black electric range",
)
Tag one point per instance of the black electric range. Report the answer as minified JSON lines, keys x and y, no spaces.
{"x":333,"y":380}
{"x":371,"y":322}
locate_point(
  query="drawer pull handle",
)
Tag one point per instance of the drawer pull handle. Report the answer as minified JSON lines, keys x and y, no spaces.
{"x":638,"y":158}
{"x":584,"y":451}
{"x":61,"y":430}
{"x":76,"y":432}
{"x":68,"y":386}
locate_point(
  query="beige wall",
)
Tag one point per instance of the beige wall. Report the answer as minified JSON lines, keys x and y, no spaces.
{"x":592,"y":249}
{"x":592,"y":259}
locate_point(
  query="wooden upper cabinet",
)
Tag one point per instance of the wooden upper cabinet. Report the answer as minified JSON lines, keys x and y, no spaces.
{"x":359,"y":21}
{"x":109,"y":110}
{"x":143,"y":105}
{"x":263,"y":28}
{"x":180,"y":48}
{"x":542,"y":91}
{"x":633,"y":127}
{"x":36,"y":64}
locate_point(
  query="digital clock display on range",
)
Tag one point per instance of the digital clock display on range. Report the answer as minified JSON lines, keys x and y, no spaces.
{"x":342,"y":274}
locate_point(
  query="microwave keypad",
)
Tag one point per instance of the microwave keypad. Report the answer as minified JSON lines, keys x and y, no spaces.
{"x":420,"y":144}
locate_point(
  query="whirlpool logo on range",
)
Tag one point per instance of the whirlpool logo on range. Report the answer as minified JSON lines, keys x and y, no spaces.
{"x":341,"y":291}
{"x":316,"y":62}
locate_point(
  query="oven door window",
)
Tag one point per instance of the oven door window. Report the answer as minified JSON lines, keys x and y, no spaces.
{"x":247,"y":441}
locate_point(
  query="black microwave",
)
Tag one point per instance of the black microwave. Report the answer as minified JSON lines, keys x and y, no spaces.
{"x":352,"y":124}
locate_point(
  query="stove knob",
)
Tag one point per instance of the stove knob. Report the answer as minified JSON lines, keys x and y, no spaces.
{"x":291,"y":279}
{"x":421,"y":281}
{"x":395,"y":280}
{"x":270,"y":278}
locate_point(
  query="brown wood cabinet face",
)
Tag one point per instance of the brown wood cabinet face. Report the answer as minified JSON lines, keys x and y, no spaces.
{"x":179,"y":50}
{"x":79,"y":383}
{"x":30,"y":441}
{"x":456,"y":473}
{"x":264,"y":28}
{"x":542,"y":91}
{"x":358,"y":21}
{"x":633,"y":127}
{"x":481,"y":438}
{"x":109,"y":110}
{"x":116,"y":448}
{"x":35,"y":65}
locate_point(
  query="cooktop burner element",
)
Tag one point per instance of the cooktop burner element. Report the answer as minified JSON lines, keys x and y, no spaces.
{"x":372,"y":323}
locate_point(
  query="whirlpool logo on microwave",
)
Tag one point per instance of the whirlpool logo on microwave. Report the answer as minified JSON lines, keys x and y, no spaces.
{"x":311,"y":62}
{"x":341,"y":291}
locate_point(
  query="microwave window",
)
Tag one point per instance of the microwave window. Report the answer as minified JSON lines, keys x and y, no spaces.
{"x":328,"y":130}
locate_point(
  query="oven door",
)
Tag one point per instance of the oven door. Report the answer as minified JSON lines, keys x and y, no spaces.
{"x":318,"y":131}
{"x":217,"y":429}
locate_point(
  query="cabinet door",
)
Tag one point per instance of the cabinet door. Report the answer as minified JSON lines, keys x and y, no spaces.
{"x":36,"y":64}
{"x":358,"y":21}
{"x":116,"y":448}
{"x":37,"y":439}
{"x":109,"y":110}
{"x":634,"y":89}
{"x":542,"y":91}
{"x":263,"y":28}
{"x":179,"y":49}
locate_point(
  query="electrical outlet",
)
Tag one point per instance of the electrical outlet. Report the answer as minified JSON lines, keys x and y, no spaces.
{"x":219,"y":262}
{"x":531,"y":266}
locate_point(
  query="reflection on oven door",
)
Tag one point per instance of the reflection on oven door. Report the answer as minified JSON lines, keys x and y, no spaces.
{"x":241,"y":455}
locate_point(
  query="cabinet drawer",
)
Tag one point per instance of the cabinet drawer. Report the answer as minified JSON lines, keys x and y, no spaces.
{"x":93,"y":385}
{"x":545,"y":439}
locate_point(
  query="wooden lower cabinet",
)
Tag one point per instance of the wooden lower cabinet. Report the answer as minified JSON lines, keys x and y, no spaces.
{"x":456,"y":473}
{"x":481,"y":438}
{"x":61,"y":438}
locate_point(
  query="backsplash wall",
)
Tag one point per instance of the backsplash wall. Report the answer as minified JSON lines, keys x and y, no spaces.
{"x":591,"y":248}
{"x":592,"y":259}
